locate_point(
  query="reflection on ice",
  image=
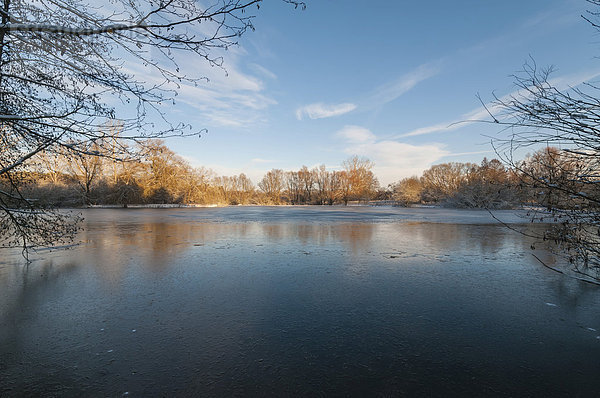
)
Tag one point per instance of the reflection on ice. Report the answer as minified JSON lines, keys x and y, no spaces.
{"x":295,"y":301}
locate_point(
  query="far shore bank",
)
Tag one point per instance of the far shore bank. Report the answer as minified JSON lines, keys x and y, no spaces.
{"x":193,"y":205}
{"x":338,"y":205}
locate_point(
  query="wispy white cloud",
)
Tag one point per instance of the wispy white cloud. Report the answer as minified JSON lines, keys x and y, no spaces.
{"x":481,"y":113}
{"x":447,"y":126}
{"x":394,"y":89}
{"x":476,"y":115}
{"x":227,"y":97}
{"x":383,"y":94}
{"x":320,"y":110}
{"x":393,"y":159}
{"x":467,"y":153}
{"x":263,"y":71}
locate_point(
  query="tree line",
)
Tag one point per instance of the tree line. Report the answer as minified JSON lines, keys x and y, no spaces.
{"x":545,"y":179}
{"x":156,"y":175}
{"x":463,"y":185}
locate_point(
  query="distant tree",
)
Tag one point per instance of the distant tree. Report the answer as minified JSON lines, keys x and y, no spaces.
{"x":444,"y":180}
{"x":294,"y":187}
{"x":307,"y":179}
{"x":322,"y":180}
{"x":359,"y":182}
{"x":224,"y":189}
{"x":114,"y":149}
{"x":488,"y":186}
{"x":408,"y":190}
{"x":126,"y":187}
{"x":243,"y":189}
{"x":162,"y":179}
{"x":335,"y":187}
{"x":273,"y":185}
{"x":52,"y":165}
{"x":345,"y":186}
{"x":205,"y":192}
{"x":85,"y":167}
{"x":384,"y":193}
{"x":126,"y":191}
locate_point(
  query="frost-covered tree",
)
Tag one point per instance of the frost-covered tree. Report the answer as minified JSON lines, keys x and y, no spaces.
{"x":564,"y":176}
{"x":66,"y":66}
{"x":408,"y":190}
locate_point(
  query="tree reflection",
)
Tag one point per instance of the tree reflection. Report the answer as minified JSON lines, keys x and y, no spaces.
{"x":22,"y":296}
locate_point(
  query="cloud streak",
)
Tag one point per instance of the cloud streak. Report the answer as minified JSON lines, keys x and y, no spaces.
{"x":396,"y":88}
{"x":321,"y":111}
{"x":382,"y":95}
{"x":480,"y":113}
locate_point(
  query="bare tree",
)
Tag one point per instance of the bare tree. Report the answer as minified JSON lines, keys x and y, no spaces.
{"x":113,"y":148}
{"x":323,"y":183}
{"x":85,"y":167}
{"x":273,"y":185}
{"x":565,"y":180}
{"x":307,"y":182}
{"x":444,"y":180}
{"x":334,"y":192}
{"x":294,"y":187}
{"x":60,"y":63}
{"x":408,"y":190}
{"x":52,"y":165}
{"x":358,"y":181}
{"x":243,"y":189}
{"x":488,"y":186}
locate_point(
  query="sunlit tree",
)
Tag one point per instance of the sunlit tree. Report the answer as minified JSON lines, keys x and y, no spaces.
{"x":408,"y":190}
{"x":358,"y":181}
{"x":85,"y":167}
{"x":273,"y":184}
{"x":488,"y":186}
{"x":293,"y":187}
{"x":444,"y":180}
{"x":307,"y":179}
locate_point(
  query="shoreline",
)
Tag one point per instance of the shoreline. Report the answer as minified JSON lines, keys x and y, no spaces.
{"x":349,"y":205}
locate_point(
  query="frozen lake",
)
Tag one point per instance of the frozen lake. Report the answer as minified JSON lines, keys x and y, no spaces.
{"x":304,"y":301}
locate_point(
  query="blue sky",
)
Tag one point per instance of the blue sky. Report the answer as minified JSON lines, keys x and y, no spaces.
{"x":380,"y":79}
